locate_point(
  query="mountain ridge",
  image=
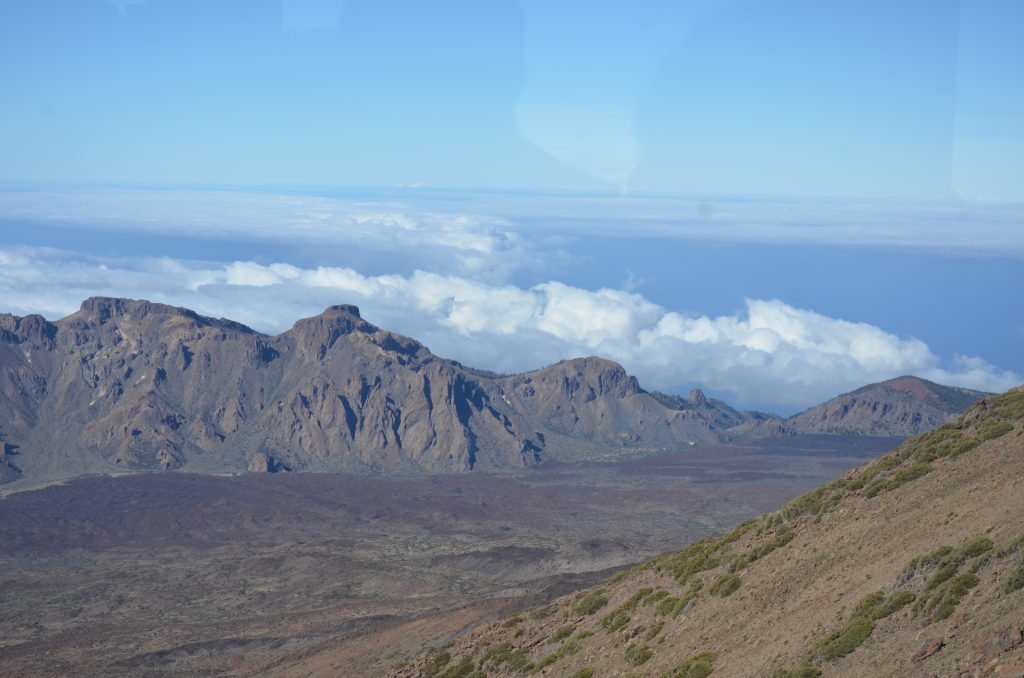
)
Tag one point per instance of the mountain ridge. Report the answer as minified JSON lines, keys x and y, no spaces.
{"x":127,"y":384}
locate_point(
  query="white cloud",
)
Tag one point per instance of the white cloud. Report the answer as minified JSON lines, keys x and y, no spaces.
{"x":768,"y":352}
{"x":456,"y":240}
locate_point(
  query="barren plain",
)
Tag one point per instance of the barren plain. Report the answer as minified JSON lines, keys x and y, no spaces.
{"x":172,"y":574}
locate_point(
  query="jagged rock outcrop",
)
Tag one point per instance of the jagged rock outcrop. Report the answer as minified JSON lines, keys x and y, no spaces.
{"x":125,"y":384}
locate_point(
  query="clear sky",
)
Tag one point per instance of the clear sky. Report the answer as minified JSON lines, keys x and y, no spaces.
{"x":775,"y":200}
{"x":917,"y":98}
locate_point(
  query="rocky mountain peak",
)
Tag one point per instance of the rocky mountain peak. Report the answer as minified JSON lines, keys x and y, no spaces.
{"x":102,"y":309}
{"x":343,"y":309}
{"x":697,"y":398}
{"x":16,"y":330}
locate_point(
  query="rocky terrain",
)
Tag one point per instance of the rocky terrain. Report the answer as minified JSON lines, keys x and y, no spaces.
{"x":179,"y":574}
{"x":124,"y":385}
{"x":910,"y":565}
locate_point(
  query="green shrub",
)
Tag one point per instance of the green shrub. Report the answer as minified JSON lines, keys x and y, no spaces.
{"x":895,"y":603}
{"x":669,"y":606}
{"x":619,"y":617}
{"x":866,"y":607}
{"x":697,"y":666}
{"x":943,"y":601}
{"x":512,"y":622}
{"x":655,"y":597}
{"x":562,"y":633}
{"x":944,"y":574}
{"x":912,"y":472}
{"x":585,"y":672}
{"x":1007,"y":406}
{"x":737,"y":533}
{"x":542,"y":612}
{"x":436,"y":663}
{"x":876,"y":606}
{"x":778,"y":540}
{"x":637,"y":654}
{"x":464,"y":669}
{"x":653,"y":632}
{"x":725,"y":585}
{"x":545,"y":662}
{"x":842,"y":642}
{"x":994,"y":429}
{"x":875,"y":488}
{"x":505,"y":656}
{"x":695,"y":558}
{"x":615,"y":621}
{"x":1016,"y":580}
{"x":954,"y":448}
{"x":591,"y":603}
{"x":566,"y":649}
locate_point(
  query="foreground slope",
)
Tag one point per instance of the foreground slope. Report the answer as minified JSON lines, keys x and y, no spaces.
{"x":912,"y":565}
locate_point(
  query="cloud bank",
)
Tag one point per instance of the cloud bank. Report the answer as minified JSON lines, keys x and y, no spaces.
{"x":767,"y":353}
{"x":461,"y":229}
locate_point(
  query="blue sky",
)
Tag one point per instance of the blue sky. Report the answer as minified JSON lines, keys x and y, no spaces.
{"x":919,"y":98}
{"x":776,"y":200}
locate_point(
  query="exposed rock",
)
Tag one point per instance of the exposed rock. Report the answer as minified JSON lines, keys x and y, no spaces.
{"x":898,"y":407}
{"x":929,"y":648}
{"x":138,"y":385}
{"x":131,"y":384}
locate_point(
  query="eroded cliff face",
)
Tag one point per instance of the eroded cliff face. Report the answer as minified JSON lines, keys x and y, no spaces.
{"x":138,"y":385}
{"x":125,"y":384}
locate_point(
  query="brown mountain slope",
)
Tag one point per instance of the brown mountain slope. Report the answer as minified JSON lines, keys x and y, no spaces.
{"x":903,"y":406}
{"x":132,"y":385}
{"x":912,"y":565}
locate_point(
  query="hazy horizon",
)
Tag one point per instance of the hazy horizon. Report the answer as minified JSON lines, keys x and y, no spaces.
{"x":677,"y":187}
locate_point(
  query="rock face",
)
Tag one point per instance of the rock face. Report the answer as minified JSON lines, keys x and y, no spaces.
{"x":899,"y":407}
{"x":124,"y":384}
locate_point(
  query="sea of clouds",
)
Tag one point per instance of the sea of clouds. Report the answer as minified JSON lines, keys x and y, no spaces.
{"x":767,"y":352}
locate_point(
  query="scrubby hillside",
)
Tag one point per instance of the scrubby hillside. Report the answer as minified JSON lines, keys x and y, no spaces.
{"x":908,"y":566}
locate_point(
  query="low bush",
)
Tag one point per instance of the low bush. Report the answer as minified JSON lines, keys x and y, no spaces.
{"x":725,"y":585}
{"x":637,"y":654}
{"x":778,"y":540}
{"x":464,"y":669}
{"x":653,"y":632}
{"x":842,"y":642}
{"x":697,"y":666}
{"x":591,"y":603}
{"x":562,"y":633}
{"x":436,"y":663}
{"x":1016,"y":580}
{"x":504,"y":656}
